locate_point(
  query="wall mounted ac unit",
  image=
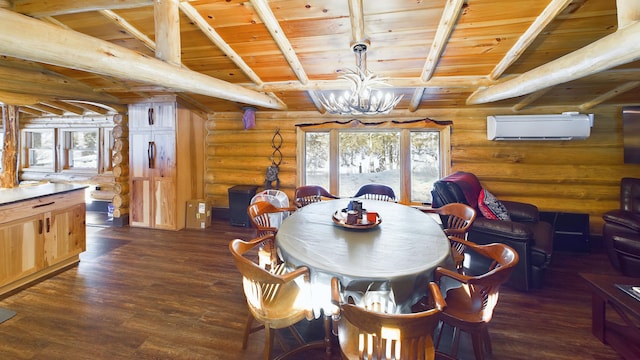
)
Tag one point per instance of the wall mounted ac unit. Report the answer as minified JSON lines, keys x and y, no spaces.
{"x":565,"y":126}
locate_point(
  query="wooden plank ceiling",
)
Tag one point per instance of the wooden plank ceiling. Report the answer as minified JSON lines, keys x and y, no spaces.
{"x":283,"y":54}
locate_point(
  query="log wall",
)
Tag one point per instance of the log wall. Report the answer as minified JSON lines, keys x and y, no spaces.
{"x":120,"y":165}
{"x":579,"y":176}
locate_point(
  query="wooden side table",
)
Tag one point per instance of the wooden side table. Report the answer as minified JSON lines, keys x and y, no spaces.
{"x":624,"y":338}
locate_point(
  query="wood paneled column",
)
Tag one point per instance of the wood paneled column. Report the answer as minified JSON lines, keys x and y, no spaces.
{"x":9,"y":176}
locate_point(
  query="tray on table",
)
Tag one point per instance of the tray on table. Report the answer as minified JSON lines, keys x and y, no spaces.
{"x":340,"y":219}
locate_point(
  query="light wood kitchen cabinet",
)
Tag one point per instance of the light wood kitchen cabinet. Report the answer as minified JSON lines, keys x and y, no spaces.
{"x":166,"y":163}
{"x":40,"y":234}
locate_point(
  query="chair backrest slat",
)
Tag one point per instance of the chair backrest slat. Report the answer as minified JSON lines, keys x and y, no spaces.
{"x":379,"y":336}
{"x":376,"y":192}
{"x":259,"y":215}
{"x":310,"y":194}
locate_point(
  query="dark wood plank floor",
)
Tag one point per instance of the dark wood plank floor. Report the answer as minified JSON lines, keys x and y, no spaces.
{"x":145,"y":294}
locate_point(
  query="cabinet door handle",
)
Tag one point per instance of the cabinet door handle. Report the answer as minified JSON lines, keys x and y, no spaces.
{"x":48,"y":224}
{"x":151,"y":154}
{"x":41,"y":205}
{"x":40,"y":226}
{"x":151,"y":117}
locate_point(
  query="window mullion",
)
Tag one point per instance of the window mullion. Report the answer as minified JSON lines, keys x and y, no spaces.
{"x":405,"y":167}
{"x":334,"y":162}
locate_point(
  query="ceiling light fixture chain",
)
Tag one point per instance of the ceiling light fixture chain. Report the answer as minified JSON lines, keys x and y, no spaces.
{"x":363,"y":98}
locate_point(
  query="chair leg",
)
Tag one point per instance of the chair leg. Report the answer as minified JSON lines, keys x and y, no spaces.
{"x":277,"y":335}
{"x":247,"y":331}
{"x":437,"y":334}
{"x":296,"y":335}
{"x":455,"y":343}
{"x":476,"y":340}
{"x":268,"y":344}
{"x":487,"y":339}
{"x":250,"y":329}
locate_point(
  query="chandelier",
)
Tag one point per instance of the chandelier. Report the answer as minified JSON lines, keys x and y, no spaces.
{"x":363,"y":98}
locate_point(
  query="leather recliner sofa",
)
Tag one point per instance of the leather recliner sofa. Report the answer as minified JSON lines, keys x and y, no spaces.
{"x":531,"y":238}
{"x":621,"y":230}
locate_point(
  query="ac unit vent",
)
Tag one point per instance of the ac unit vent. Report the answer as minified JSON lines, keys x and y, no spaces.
{"x":566,"y":126}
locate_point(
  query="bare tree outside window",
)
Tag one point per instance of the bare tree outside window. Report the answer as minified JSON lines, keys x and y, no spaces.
{"x":409,"y":159}
{"x":83,"y":149}
{"x":317,"y":159}
{"x":368,"y":157}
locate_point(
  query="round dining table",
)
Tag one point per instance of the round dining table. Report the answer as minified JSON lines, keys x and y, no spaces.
{"x":397,"y":257}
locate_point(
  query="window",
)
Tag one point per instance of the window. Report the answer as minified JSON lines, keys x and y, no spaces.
{"x":107,"y":150}
{"x":80,"y":150}
{"x":39,"y":150}
{"x":409,"y":157}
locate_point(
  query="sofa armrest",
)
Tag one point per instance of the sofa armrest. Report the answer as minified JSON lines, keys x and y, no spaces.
{"x":486,"y":231}
{"x":519,"y":211}
{"x":627,"y":243}
{"x":502,"y":228}
{"x":623,"y":218}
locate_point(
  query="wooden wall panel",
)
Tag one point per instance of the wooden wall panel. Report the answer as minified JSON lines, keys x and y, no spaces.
{"x":580,"y":176}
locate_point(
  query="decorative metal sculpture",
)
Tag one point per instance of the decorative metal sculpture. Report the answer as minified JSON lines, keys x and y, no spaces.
{"x":272,"y":171}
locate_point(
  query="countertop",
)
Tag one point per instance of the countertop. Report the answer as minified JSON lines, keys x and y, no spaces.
{"x":13,"y":195}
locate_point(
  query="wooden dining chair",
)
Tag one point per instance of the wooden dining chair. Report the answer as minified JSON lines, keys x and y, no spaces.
{"x":457,"y":219}
{"x":470,"y":306}
{"x":260,"y":216}
{"x":274,"y":298}
{"x":367,"y":334}
{"x":309,"y":194}
{"x":376,"y":192}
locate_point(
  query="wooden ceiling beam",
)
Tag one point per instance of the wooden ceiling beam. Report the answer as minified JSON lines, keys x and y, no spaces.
{"x":553,"y":9}
{"x":416,"y":99}
{"x":610,"y":94}
{"x":27,"y":38}
{"x":217,"y":40}
{"x":356,"y":15}
{"x":40,"y":83}
{"x":166,"y":15}
{"x":47,"y":109}
{"x":55,"y":21}
{"x":64,"y":106}
{"x":39,"y":9}
{"x":315,"y":98}
{"x":619,"y":48}
{"x":28,"y":110}
{"x":91,"y":107}
{"x":598,"y":56}
{"x":448,"y":21}
{"x":530,"y":99}
{"x":11,"y":98}
{"x":130,"y":29}
{"x":460,"y":82}
{"x":628,"y":12}
{"x":269,"y":19}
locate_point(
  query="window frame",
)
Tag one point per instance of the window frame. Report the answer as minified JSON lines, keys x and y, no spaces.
{"x":65,"y":136}
{"x":104,"y":148}
{"x":405,"y":128}
{"x":27,"y":140}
